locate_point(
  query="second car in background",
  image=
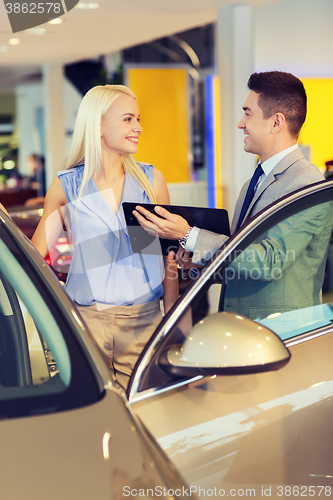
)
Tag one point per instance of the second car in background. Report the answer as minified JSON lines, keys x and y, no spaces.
{"x":60,"y":256}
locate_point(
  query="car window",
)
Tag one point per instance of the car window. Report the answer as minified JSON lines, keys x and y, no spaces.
{"x":281,"y":279}
{"x":41,"y":367}
{"x":21,"y":303}
{"x":279,"y":275}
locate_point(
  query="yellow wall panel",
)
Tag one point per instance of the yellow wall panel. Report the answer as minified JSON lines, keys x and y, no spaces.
{"x":163,"y":102}
{"x":317,"y":131}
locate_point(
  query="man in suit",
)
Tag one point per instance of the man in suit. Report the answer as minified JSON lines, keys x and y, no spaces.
{"x":274,"y":113}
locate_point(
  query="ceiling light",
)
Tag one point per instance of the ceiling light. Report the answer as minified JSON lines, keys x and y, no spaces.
{"x":3,"y":48}
{"x":57,"y":20}
{"x":14,"y":41}
{"x":89,"y":5}
{"x":35,"y":31}
{"x":9,"y":164}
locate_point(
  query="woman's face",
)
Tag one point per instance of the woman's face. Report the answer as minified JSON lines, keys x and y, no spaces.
{"x":120,"y":127}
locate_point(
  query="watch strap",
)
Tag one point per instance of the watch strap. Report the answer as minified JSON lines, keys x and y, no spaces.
{"x":184,"y":239}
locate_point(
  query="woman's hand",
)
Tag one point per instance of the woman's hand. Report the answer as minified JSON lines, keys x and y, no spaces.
{"x":183,"y":259}
{"x":171,"y":226}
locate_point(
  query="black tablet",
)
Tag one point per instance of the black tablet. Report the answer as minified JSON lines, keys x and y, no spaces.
{"x":212,"y":219}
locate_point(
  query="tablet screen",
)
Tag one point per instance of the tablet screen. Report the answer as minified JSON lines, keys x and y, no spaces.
{"x":212,"y":219}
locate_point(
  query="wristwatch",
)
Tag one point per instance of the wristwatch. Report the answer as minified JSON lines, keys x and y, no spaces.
{"x":184,"y":239}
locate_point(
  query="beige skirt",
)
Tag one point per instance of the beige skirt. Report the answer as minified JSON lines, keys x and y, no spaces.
{"x":122,"y":332}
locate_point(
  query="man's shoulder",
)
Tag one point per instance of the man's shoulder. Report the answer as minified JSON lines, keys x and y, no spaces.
{"x":295,"y":168}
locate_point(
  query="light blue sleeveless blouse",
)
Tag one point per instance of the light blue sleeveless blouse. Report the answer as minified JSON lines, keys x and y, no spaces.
{"x":103,"y":268}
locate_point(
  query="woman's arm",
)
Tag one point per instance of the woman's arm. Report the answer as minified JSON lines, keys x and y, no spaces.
{"x":51,"y":223}
{"x":170,"y":282}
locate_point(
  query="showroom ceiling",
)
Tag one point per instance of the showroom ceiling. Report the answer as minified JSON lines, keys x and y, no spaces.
{"x":86,"y":33}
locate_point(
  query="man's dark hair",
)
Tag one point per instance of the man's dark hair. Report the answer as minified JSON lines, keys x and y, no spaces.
{"x":281,"y":92}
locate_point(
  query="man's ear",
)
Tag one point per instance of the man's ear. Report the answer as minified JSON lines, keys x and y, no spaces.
{"x":278,"y":122}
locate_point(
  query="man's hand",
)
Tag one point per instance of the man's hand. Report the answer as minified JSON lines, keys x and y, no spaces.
{"x":171,"y":227}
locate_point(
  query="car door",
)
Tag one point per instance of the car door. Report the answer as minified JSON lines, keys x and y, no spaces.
{"x":231,"y":409}
{"x":66,"y":431}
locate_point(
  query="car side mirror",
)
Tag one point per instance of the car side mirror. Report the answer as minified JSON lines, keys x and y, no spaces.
{"x":226,"y":344}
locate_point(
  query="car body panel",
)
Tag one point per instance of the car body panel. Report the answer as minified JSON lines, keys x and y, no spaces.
{"x":92,"y":452}
{"x":251,"y":429}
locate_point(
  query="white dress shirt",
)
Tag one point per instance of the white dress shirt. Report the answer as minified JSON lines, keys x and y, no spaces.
{"x":271,"y":163}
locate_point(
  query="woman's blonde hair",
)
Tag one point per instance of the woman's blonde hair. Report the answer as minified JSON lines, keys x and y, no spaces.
{"x":86,"y":144}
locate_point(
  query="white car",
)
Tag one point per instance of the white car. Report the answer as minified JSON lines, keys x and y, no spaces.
{"x":241,"y":407}
{"x":242,"y":411}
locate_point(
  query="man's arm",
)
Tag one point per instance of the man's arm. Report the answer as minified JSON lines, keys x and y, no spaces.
{"x":285,"y":242}
{"x":175,"y":227}
{"x":206,"y":246}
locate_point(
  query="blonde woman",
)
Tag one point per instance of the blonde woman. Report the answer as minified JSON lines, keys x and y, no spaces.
{"x":117,"y":292}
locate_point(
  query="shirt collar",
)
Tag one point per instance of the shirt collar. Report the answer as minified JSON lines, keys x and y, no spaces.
{"x":271,"y":163}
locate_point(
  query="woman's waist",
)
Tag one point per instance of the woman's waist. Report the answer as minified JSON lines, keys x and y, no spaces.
{"x":124,"y":310}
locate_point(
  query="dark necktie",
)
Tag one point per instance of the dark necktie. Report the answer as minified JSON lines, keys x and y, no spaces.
{"x":249,"y":194}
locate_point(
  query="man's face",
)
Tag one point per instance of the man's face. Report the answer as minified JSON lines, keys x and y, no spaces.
{"x":257,"y":129}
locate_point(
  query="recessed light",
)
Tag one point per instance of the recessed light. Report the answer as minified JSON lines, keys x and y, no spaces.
{"x":14,"y":41}
{"x":89,"y":5}
{"x":35,"y":31}
{"x":57,"y":20}
{"x":8,"y":165}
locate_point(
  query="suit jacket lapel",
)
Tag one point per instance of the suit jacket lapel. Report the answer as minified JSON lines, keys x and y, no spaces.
{"x":238,"y":206}
{"x":272,"y":177}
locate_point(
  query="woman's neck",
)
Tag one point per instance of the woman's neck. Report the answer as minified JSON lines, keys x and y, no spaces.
{"x":112,"y":169}
{"x":110,"y":183}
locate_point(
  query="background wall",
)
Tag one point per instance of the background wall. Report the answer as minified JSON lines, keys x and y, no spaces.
{"x":292,"y":35}
{"x":8,"y":107}
{"x":30,"y":119}
{"x":29,"y":104}
{"x":295,"y":36}
{"x":163,"y":96}
{"x":317,"y":132}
